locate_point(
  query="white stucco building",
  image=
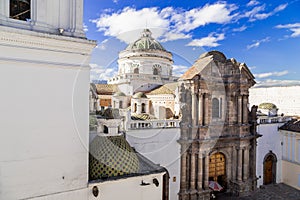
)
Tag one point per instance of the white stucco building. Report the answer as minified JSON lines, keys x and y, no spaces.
{"x":44,"y":78}
{"x":157,"y":140}
{"x":269,"y":161}
{"x":44,"y":132}
{"x":290,"y":133}
{"x":143,"y":65}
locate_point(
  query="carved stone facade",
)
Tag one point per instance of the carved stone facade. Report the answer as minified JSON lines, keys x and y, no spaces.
{"x":215,"y":126}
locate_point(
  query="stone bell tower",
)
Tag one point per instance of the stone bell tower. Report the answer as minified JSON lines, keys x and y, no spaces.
{"x":218,"y":140}
{"x":44,"y":83}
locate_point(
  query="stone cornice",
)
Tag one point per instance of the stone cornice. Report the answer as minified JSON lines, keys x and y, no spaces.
{"x":30,"y":39}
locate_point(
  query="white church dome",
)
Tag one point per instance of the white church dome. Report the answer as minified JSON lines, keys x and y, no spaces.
{"x":146,"y":42}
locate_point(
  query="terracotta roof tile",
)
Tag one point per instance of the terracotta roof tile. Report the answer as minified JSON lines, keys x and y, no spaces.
{"x":293,"y":125}
{"x":107,"y":88}
{"x":198,"y":66}
{"x":168,"y":88}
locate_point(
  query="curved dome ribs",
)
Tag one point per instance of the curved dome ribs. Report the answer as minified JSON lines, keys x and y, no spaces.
{"x":146,"y":42}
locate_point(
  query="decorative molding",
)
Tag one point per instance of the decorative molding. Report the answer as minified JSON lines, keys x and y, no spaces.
{"x":46,"y":63}
{"x":30,"y":39}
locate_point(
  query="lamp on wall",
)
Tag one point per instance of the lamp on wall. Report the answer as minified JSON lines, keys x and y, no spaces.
{"x":144,"y":184}
{"x":95,"y":191}
{"x":156,"y":182}
{"x":61,"y":31}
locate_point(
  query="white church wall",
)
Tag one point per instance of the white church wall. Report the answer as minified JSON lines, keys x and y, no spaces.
{"x":129,"y":188}
{"x":287,"y":99}
{"x":270,"y":141}
{"x":44,"y":115}
{"x":161,"y":147}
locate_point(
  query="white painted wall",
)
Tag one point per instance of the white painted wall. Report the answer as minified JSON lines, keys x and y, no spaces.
{"x":128,"y":188}
{"x":44,"y":115}
{"x":270,"y":140}
{"x":287,"y":99}
{"x":161,"y":147}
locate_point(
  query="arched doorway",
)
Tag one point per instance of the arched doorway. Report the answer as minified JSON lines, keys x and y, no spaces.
{"x":217,"y":168}
{"x":136,"y":70}
{"x":270,"y":162}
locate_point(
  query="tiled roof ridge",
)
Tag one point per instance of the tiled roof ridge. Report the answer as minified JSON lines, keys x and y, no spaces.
{"x":292,"y":125}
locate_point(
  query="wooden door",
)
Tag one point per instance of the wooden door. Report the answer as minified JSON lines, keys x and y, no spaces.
{"x":268,"y":170}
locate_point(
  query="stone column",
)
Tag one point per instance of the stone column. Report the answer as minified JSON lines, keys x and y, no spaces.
{"x":200,"y":109}
{"x":194,"y":109}
{"x":240,"y":164}
{"x":240,"y":109}
{"x":183,"y":174}
{"x":246,"y":164}
{"x":206,"y":110}
{"x":193,"y":171}
{"x":234,"y":163}
{"x":232,"y":110}
{"x":139,"y":108}
{"x":147,"y":107}
{"x":245,"y":109}
{"x":200,"y":171}
{"x":206,"y":171}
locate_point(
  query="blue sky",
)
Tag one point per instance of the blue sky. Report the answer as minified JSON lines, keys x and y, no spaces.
{"x":263,"y":34}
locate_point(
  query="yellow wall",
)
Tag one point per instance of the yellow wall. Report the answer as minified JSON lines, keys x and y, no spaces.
{"x":290,"y":173}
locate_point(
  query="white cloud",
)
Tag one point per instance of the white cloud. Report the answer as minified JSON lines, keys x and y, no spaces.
{"x":171,"y":36}
{"x":128,"y":23}
{"x":219,"y":13}
{"x":258,"y":43}
{"x":210,"y":41}
{"x":178,"y":70}
{"x":258,"y":12}
{"x":85,"y":28}
{"x":252,"y":3}
{"x":252,"y":67}
{"x":166,"y":24}
{"x":101,"y":73}
{"x":251,"y":14}
{"x":261,"y":16}
{"x":269,"y":74}
{"x":240,"y":29}
{"x":295,"y":28}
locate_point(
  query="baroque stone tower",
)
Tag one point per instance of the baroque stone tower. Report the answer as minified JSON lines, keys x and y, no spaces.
{"x":218,"y":139}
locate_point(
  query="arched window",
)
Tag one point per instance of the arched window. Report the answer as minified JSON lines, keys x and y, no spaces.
{"x":143,"y":108}
{"x":105,"y":129}
{"x":136,"y":70}
{"x":135,"y":107}
{"x":156,"y":69}
{"x":120,"y":104}
{"x":215,"y":108}
{"x":19,"y":9}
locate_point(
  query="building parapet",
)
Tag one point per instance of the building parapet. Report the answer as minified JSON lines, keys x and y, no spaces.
{"x":124,"y":78}
{"x":272,"y":120}
{"x":153,"y":124}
